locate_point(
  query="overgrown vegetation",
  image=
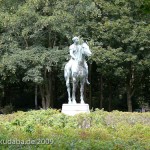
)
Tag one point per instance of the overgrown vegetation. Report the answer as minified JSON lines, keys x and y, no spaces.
{"x":99,"y":130}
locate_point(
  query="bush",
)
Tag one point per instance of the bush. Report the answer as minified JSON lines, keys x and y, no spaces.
{"x":97,"y":130}
{"x":7,"y":109}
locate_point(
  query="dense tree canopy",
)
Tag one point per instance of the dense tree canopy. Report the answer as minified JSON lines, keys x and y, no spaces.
{"x":34,"y":40}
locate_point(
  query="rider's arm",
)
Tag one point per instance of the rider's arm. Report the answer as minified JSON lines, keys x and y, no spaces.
{"x":71,"y":53}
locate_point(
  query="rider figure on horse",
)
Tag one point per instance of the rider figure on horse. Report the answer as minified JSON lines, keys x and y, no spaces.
{"x":74,"y":51}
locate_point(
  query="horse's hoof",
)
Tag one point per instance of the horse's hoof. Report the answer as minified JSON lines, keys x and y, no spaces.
{"x":74,"y":102}
{"x":82,"y":102}
{"x":69,"y":102}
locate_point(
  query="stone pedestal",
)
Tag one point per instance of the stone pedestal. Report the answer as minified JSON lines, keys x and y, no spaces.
{"x":73,"y":109}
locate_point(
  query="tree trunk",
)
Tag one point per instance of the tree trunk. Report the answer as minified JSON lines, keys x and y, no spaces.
{"x":43,"y":97}
{"x":43,"y":103}
{"x":36,"y":105}
{"x":3,"y":96}
{"x":51,"y":88}
{"x":26,"y":43}
{"x":110,"y":97}
{"x":47,"y":90}
{"x":129,"y":97}
{"x":130,"y":89}
{"x":47,"y":95}
{"x":90,"y":88}
{"x":129,"y":102}
{"x":101,"y":92}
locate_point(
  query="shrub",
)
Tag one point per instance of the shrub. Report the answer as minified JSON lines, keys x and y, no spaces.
{"x":7,"y":109}
{"x":97,"y":130}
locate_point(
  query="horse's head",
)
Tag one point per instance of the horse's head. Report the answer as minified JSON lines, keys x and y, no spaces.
{"x":86,"y":49}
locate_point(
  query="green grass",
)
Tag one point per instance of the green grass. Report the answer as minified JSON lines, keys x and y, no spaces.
{"x":98,"y":130}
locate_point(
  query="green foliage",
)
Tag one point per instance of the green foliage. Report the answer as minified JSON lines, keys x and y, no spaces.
{"x":97,"y":130}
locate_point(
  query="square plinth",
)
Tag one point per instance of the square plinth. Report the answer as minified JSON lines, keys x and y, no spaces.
{"x":73,"y":109}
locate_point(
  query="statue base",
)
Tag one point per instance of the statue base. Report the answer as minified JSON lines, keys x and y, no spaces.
{"x":73,"y":109}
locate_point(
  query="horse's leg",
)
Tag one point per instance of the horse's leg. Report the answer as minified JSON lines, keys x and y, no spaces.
{"x":82,"y":91}
{"x":68,"y":90}
{"x":67,"y":74}
{"x":74,"y":90}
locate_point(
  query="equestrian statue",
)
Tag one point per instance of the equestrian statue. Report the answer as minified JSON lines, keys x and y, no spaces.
{"x":77,"y":69}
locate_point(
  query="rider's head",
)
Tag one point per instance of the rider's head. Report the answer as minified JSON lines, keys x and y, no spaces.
{"x":75,"y":40}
